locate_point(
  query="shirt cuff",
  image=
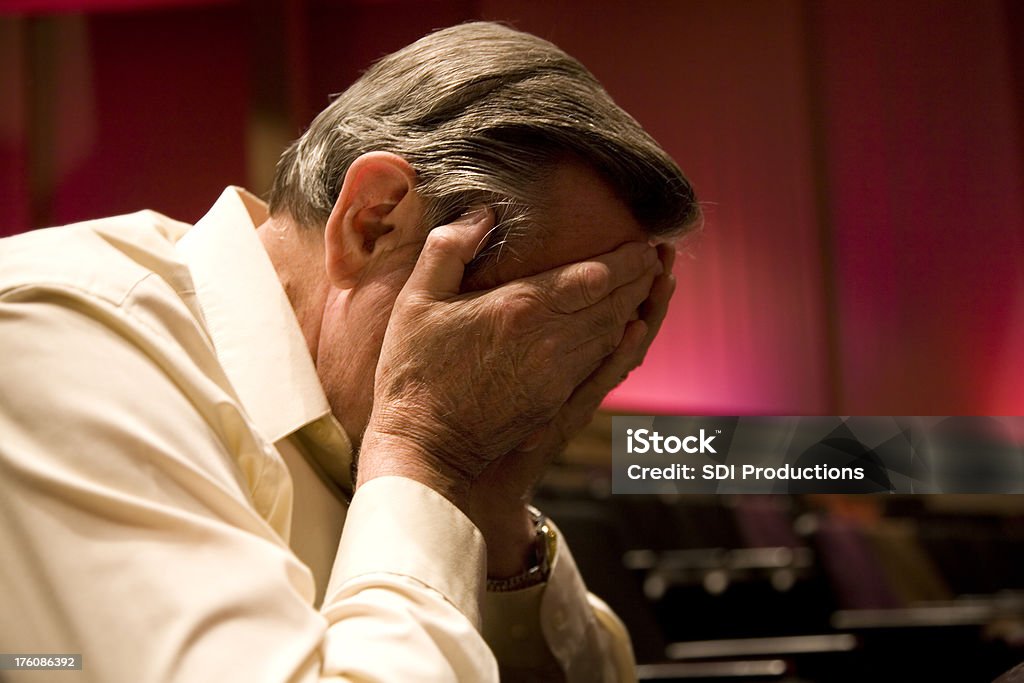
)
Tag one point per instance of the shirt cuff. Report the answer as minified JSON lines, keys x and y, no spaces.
{"x":398,"y":526}
{"x":526,"y":627}
{"x":511,"y":627}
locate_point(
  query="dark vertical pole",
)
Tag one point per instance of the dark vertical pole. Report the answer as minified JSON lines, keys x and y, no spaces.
{"x":814,"y":54}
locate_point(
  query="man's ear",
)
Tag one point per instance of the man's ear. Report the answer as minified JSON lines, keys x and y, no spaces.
{"x":375,"y":209}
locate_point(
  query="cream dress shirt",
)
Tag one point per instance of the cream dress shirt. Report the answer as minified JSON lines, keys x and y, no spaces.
{"x":174,"y":491}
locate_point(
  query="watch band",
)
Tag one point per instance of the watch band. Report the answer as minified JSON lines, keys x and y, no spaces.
{"x":545,"y":545}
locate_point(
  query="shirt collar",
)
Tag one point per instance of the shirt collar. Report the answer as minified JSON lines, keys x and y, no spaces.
{"x":256,"y":334}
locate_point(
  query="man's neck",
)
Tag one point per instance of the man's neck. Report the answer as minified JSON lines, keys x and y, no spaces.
{"x":297,"y":253}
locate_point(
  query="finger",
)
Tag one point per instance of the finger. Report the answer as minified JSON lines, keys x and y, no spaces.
{"x":576,"y":286}
{"x":579,"y":409}
{"x":584,"y":360}
{"x":599,"y":330}
{"x":614,"y":311}
{"x":667,"y":254}
{"x":655,"y":308}
{"x":441,"y":264}
{"x":612,"y":371}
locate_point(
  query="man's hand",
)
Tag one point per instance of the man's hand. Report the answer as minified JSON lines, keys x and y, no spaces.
{"x":464,"y":379}
{"x":498,"y":498}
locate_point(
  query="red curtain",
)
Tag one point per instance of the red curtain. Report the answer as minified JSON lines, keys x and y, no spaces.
{"x":861,"y":166}
{"x":42,"y":7}
{"x":926,"y":188}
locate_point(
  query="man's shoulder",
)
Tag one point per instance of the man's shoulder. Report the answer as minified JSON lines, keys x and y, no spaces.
{"x":104,"y":258}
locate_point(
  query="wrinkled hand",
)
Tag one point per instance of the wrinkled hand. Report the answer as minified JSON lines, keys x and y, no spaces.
{"x":499,"y":494}
{"x":514,"y":474}
{"x":463,"y":379}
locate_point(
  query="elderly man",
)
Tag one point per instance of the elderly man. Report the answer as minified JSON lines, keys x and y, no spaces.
{"x":296,"y":444}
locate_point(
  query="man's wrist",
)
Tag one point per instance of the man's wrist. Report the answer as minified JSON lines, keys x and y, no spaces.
{"x":509,"y":533}
{"x":541,"y":558}
{"x":384,"y":455}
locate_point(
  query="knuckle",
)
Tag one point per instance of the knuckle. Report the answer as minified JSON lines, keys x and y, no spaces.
{"x":539,"y":357}
{"x":523,"y":321}
{"x":593,"y":279}
{"x":520,"y":308}
{"x":548,"y":350}
{"x":440,"y":239}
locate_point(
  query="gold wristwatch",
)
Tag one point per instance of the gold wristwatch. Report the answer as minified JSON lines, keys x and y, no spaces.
{"x":545,"y":544}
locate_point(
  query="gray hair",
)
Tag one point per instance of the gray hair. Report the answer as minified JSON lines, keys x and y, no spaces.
{"x":483,"y":113}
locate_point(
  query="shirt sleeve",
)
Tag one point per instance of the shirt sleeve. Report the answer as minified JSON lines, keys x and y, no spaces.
{"x":557,"y":631}
{"x":130,"y":531}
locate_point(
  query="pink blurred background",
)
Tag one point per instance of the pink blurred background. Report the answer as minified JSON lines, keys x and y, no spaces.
{"x":861,"y":164}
